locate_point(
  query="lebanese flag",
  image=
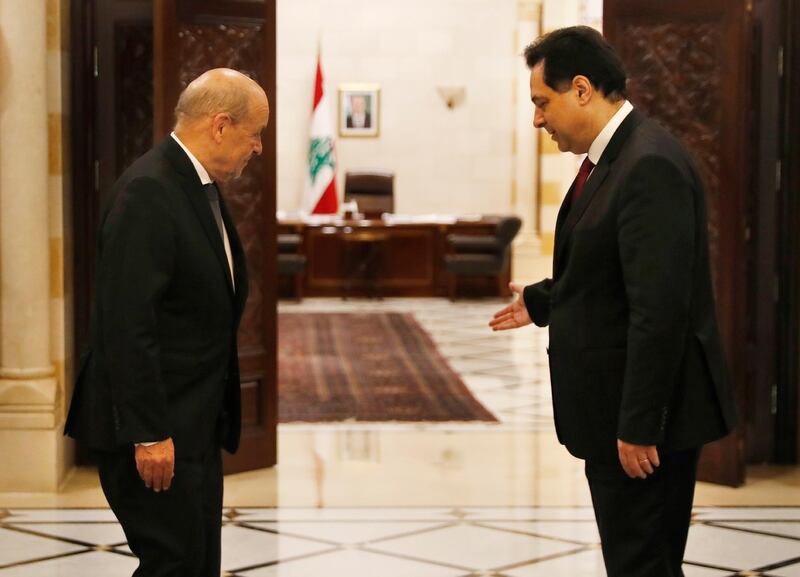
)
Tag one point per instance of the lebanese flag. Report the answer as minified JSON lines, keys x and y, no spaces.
{"x":320,"y":193}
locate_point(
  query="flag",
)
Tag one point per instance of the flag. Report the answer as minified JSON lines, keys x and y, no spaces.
{"x":320,"y":192}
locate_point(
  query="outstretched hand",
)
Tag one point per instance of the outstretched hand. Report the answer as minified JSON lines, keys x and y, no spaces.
{"x":514,"y":315}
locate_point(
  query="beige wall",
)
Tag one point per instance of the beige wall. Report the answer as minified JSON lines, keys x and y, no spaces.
{"x":477,"y":158}
{"x":457,"y":160}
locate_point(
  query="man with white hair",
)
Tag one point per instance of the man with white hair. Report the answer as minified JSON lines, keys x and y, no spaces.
{"x":157,"y":394}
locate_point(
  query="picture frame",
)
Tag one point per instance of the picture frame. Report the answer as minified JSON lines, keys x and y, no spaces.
{"x":359,"y":110}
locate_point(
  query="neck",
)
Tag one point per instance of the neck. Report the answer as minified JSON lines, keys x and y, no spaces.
{"x":603,"y":114}
{"x":195,"y":143}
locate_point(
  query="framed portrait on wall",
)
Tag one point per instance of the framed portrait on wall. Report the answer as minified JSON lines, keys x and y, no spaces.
{"x":359,"y":110}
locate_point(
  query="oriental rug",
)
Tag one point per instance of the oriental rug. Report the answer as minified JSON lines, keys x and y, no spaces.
{"x":366,"y":367}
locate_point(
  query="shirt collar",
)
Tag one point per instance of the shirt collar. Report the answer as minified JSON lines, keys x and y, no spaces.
{"x":201,"y":172}
{"x":601,"y":142}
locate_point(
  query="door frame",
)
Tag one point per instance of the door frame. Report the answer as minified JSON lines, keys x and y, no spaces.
{"x":787,"y":402}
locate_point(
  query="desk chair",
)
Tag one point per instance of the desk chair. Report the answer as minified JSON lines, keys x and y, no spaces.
{"x":372,"y":191}
{"x":481,"y":255}
{"x":291,"y":261}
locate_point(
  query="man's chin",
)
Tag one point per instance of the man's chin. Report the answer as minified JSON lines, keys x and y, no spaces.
{"x":231,"y":176}
{"x":239,"y":172}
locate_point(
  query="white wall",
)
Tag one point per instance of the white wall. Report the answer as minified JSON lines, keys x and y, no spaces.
{"x":453,"y":161}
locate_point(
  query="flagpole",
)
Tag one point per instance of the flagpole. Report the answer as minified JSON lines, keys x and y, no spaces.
{"x":320,"y":196}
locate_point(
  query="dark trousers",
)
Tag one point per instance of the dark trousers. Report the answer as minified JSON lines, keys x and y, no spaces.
{"x":644,"y":523}
{"x":174,"y":533}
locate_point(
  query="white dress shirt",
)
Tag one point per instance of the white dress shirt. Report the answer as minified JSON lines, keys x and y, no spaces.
{"x":601,"y":142}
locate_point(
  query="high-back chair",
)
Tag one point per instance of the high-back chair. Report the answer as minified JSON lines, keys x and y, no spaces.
{"x":372,"y":191}
{"x":481,"y":255}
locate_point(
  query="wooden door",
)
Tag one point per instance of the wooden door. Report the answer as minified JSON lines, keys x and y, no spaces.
{"x":111,"y":80}
{"x":689,"y":67}
{"x":190,"y":37}
{"x":111,"y":120}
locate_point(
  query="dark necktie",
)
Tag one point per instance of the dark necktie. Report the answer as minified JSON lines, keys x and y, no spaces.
{"x":580,"y":180}
{"x":213,"y":199}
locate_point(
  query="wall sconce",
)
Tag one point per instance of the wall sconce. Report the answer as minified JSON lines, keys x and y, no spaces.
{"x":452,"y":95}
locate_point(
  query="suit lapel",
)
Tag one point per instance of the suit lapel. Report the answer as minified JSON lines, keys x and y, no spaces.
{"x":191,"y":186}
{"x":575,"y":213}
{"x":563,"y":213}
{"x":569,"y":216}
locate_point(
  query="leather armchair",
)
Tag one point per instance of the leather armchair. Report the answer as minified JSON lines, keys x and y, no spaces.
{"x":291,"y":261}
{"x":372,"y":191}
{"x":481,"y":255}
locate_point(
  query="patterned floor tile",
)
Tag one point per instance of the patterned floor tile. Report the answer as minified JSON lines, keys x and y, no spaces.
{"x":586,"y":563}
{"x":95,"y":533}
{"x":91,"y":564}
{"x":499,"y":514}
{"x":343,"y":514}
{"x":780,"y":528}
{"x":746,"y":513}
{"x":472,"y":547}
{"x":16,"y":546}
{"x":347,"y":533}
{"x":399,"y":542}
{"x":581,"y":532}
{"x":792,"y":570}
{"x":737,"y":550}
{"x":242,"y":547}
{"x":61,"y":515}
{"x":354,"y":564}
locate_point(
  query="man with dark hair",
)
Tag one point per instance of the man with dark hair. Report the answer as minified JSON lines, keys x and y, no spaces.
{"x":636,"y":362}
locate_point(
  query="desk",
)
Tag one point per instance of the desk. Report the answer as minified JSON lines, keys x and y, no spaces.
{"x":411,"y":259}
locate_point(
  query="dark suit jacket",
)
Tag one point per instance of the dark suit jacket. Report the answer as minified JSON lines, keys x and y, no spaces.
{"x":635,"y":352}
{"x":163,"y":357}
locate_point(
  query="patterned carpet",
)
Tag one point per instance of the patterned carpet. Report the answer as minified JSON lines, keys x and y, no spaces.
{"x":366,"y":367}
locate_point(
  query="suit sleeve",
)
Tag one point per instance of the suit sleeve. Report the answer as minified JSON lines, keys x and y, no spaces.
{"x":537,"y":301}
{"x":656,"y":244}
{"x":138,"y":252}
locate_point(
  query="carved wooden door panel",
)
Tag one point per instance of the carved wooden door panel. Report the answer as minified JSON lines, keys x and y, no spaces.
{"x":688,"y":66}
{"x":190,"y":37}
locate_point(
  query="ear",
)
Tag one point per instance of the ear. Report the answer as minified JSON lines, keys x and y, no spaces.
{"x":583,"y":89}
{"x":219,"y":123}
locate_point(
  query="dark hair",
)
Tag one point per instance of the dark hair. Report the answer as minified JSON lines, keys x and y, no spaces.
{"x":578,"y":51}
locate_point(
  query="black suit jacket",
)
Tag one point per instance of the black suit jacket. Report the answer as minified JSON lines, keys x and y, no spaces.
{"x":635,"y":352}
{"x":163,"y":357}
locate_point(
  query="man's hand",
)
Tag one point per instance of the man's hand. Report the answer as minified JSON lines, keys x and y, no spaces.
{"x":637,"y":460}
{"x":156,"y":464}
{"x":514,"y":315}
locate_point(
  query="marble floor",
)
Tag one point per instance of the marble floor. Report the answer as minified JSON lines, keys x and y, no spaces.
{"x":419,"y":500}
{"x":402,"y":542}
